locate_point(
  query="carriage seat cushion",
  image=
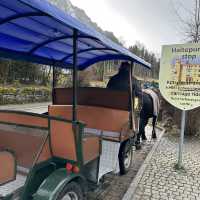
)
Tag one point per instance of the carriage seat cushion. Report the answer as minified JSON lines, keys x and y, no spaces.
{"x":7,"y":167}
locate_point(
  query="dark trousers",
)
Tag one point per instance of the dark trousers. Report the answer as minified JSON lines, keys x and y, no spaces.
{"x":142,"y":124}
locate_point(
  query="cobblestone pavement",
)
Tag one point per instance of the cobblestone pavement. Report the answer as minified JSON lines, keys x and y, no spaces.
{"x":115,"y":186}
{"x":160,"y":179}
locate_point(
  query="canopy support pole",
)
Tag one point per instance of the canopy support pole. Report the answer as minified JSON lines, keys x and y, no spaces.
{"x":131,"y":95}
{"x":76,"y":127}
{"x":54,"y":78}
{"x":53,"y":84}
{"x":75,"y":75}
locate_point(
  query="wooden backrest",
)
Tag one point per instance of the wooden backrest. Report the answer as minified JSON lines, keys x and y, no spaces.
{"x":7,"y":167}
{"x":63,"y":143}
{"x":63,"y":138}
{"x":95,"y":117}
{"x":100,"y":97}
{"x":23,"y":118}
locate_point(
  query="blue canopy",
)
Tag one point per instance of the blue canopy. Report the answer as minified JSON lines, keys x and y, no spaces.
{"x":36,"y":31}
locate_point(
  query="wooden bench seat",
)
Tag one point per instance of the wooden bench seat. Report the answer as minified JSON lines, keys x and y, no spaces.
{"x":110,"y":123}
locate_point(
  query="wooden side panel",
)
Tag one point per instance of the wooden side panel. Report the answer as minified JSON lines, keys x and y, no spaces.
{"x":24,"y":119}
{"x":91,"y":148}
{"x":62,"y":139}
{"x":24,"y":142}
{"x":7,"y":167}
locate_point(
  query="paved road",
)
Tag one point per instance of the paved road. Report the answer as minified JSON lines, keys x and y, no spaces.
{"x":34,"y":107}
{"x":161,"y":181}
{"x":115,"y":186}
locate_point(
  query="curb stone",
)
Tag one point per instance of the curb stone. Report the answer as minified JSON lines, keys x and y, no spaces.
{"x":129,"y":195}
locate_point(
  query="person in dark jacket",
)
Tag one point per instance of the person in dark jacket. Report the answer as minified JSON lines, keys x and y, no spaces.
{"x":120,"y":81}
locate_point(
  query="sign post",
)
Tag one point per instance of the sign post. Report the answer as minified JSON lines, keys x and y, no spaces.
{"x":180,"y":153}
{"x":179,"y":81}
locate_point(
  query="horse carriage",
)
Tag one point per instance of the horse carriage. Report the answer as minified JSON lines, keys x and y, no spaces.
{"x":86,"y":133}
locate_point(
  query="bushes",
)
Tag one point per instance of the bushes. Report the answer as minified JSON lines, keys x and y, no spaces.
{"x":9,"y":90}
{"x":11,"y":95}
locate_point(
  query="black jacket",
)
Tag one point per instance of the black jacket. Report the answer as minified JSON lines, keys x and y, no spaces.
{"x":119,"y":82}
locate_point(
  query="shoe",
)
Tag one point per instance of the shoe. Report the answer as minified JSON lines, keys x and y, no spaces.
{"x":154,"y":136}
{"x":144,"y":137}
{"x":137,"y":145}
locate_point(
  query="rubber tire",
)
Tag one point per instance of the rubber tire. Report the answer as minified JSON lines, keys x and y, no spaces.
{"x":125,"y":147}
{"x":72,"y":187}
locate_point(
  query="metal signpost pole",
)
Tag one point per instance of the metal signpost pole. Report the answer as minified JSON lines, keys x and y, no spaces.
{"x":180,"y":153}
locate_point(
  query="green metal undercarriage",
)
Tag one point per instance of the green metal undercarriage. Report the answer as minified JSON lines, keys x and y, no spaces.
{"x":46,"y":180}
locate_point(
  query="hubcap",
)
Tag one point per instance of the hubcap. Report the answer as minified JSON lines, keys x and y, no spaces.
{"x":70,"y":196}
{"x":127,"y":160}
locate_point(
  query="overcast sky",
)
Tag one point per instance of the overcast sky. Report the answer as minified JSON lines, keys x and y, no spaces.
{"x":152,"y":22}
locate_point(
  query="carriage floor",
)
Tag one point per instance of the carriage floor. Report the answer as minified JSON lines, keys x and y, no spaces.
{"x":13,"y":187}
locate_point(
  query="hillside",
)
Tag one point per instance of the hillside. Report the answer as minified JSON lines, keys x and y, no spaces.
{"x":80,"y":14}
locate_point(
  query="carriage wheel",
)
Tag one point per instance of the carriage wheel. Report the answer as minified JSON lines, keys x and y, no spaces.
{"x":125,"y":157}
{"x":72,"y":191}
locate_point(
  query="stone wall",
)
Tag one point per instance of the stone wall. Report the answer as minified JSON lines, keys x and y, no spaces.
{"x":24,"y":95}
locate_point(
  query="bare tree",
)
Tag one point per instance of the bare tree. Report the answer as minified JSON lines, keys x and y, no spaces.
{"x":193,"y":25}
{"x":195,"y":36}
{"x":189,"y":20}
{"x":189,"y":27}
